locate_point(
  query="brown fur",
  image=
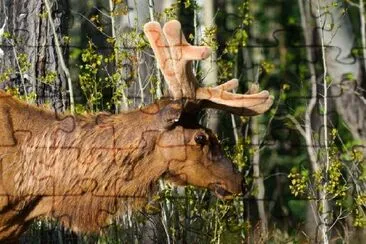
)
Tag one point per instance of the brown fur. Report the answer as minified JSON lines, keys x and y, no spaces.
{"x":85,"y":170}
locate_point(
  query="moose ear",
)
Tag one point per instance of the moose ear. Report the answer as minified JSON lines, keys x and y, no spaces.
{"x":171,"y":113}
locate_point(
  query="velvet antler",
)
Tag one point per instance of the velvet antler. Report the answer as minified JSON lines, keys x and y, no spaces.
{"x":175,"y":55}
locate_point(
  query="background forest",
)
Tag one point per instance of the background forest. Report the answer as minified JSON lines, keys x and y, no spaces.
{"x":303,"y":161}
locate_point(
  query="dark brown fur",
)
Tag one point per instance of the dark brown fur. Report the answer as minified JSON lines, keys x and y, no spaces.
{"x":85,"y":170}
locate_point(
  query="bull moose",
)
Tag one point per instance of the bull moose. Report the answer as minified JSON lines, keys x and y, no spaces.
{"x":84,"y":170}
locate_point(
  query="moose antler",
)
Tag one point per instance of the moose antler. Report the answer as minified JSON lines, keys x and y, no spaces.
{"x":175,"y":55}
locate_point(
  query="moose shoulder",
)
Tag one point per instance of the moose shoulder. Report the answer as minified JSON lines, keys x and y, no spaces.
{"x":85,"y":170}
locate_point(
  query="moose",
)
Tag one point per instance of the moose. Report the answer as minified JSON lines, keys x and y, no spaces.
{"x":84,"y":170}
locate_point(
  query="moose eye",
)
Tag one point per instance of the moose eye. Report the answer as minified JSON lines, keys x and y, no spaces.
{"x":200,"y":139}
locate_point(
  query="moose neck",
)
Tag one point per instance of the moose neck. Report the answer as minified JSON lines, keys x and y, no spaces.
{"x":125,"y":185}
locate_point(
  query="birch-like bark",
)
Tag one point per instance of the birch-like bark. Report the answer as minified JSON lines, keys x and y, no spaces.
{"x":324,"y":208}
{"x":363,"y":31}
{"x":258,"y":178}
{"x":322,"y":205}
{"x":208,"y":66}
{"x":252,"y":57}
{"x":312,"y":221}
{"x":206,"y":18}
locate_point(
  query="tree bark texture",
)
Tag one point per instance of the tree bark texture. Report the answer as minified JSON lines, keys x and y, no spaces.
{"x":29,"y":53}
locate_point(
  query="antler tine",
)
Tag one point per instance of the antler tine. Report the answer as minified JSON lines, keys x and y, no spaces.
{"x":182,"y":54}
{"x":229,"y":85}
{"x":241,"y":104}
{"x":157,"y":41}
{"x":175,"y":65}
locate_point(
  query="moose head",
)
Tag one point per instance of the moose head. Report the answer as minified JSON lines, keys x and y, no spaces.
{"x":206,"y":166}
{"x":85,"y":170}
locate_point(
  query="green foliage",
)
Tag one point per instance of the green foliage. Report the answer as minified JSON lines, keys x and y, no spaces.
{"x":336,"y":186}
{"x":30,"y":97}
{"x":95,"y":75}
{"x":48,"y":78}
{"x":120,"y":8}
{"x":216,"y":220}
{"x":209,"y":37}
{"x":360,"y":218}
{"x":23,"y":61}
{"x":5,"y":75}
{"x":239,"y":40}
{"x":171,"y":12}
{"x":238,"y":157}
{"x":298,"y":182}
{"x":91,"y":84}
{"x":6,"y":35}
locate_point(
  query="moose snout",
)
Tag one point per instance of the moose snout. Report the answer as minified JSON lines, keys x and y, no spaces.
{"x":237,"y":184}
{"x":228,"y":188}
